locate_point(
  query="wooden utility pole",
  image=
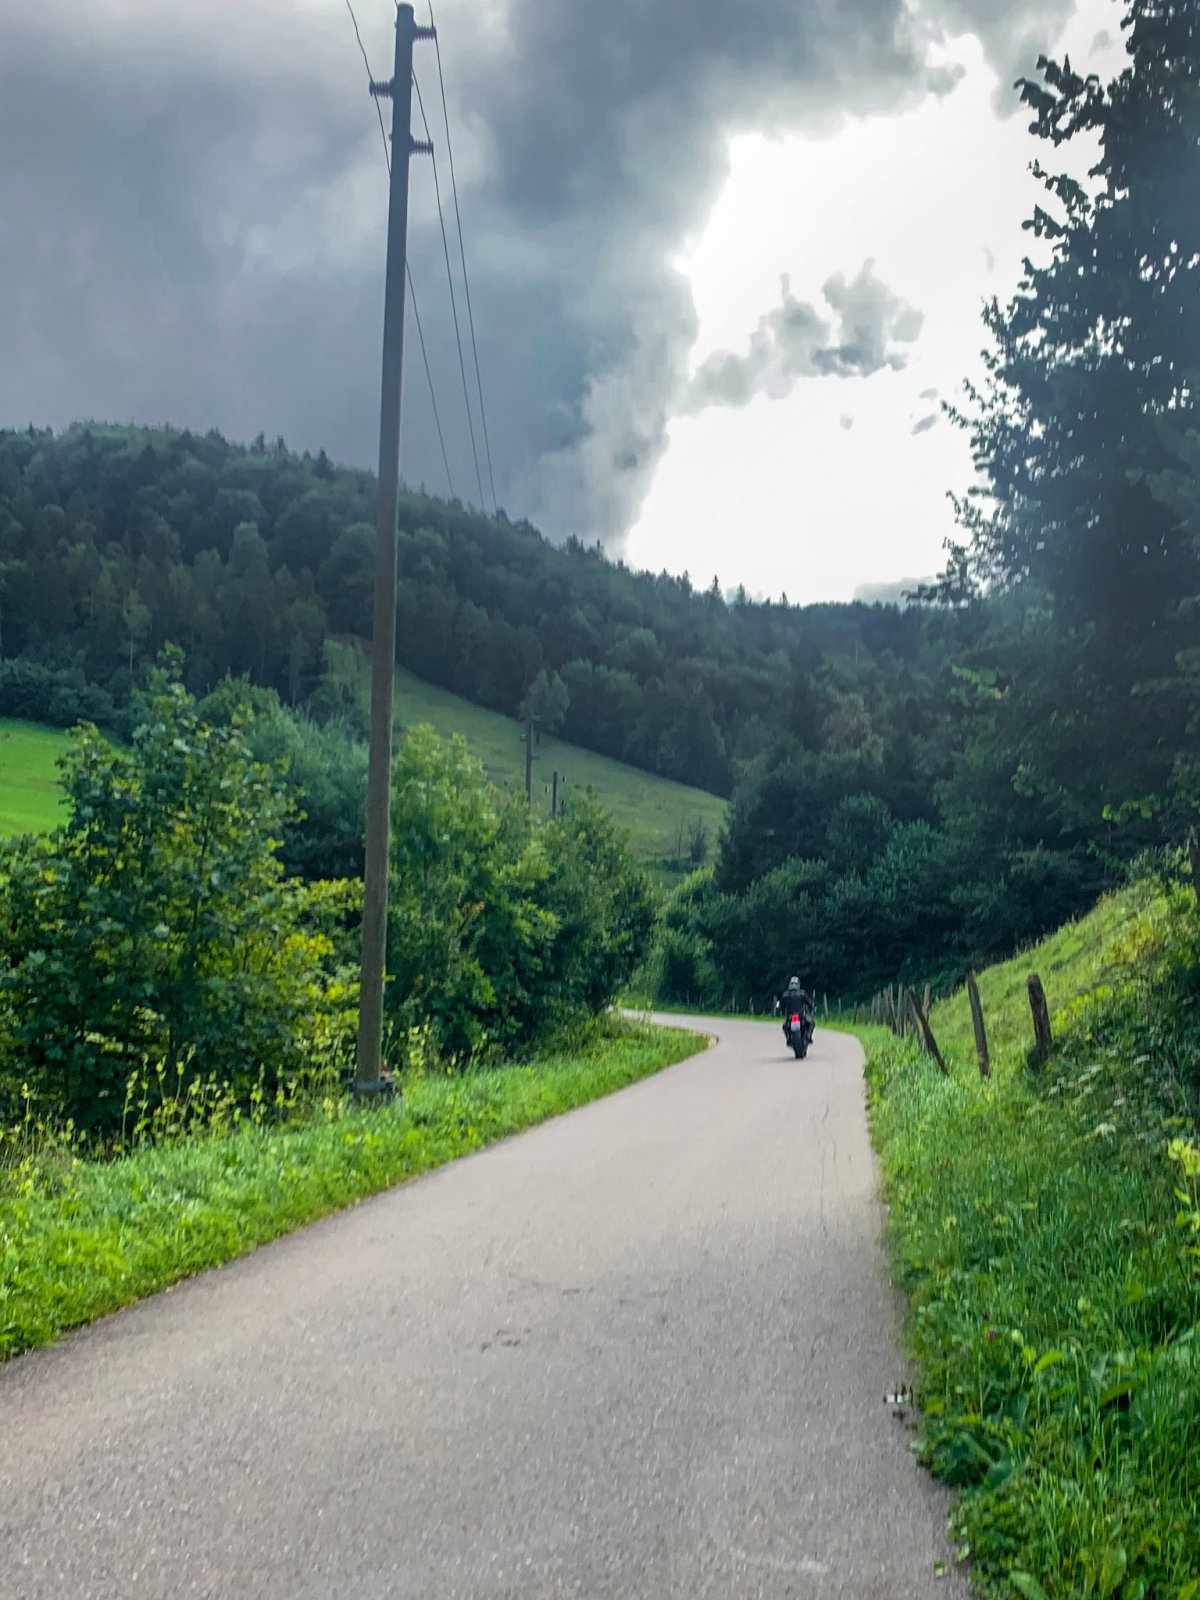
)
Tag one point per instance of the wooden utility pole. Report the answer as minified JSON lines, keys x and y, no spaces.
{"x":369,"y":1077}
{"x":527,"y":741}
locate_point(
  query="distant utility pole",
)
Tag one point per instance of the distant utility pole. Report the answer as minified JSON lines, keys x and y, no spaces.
{"x":530,"y":758}
{"x":368,"y":1077}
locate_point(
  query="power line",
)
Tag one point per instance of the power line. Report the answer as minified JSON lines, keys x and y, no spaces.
{"x":370,"y":79}
{"x":387,"y":156}
{"x":412,"y":295}
{"x":462,"y":365}
{"x":463,"y":254}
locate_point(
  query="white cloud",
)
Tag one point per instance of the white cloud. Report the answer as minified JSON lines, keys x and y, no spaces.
{"x":784,"y":495}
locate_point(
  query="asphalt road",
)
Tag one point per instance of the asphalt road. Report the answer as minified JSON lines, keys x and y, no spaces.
{"x":638,"y":1352}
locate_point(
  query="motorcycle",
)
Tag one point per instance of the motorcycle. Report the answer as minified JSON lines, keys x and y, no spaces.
{"x":798,"y":1031}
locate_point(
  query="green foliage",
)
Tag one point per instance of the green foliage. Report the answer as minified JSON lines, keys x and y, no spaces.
{"x":546,"y":701}
{"x":602,"y":905}
{"x":80,"y":1237}
{"x":322,"y":767}
{"x":60,"y":697}
{"x":155,"y":932}
{"x":1054,"y":1289}
{"x":323,"y":755}
{"x":1087,"y":429}
{"x":467,"y":935}
{"x":652,"y":812}
{"x":500,"y":928}
{"x":680,"y":969}
{"x":116,"y":540}
{"x":882,"y":901}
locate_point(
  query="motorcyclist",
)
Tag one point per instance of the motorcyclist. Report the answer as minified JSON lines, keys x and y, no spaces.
{"x":795,"y":1001}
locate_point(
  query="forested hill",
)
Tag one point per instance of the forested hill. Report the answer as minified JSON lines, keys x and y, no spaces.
{"x":115,"y":540}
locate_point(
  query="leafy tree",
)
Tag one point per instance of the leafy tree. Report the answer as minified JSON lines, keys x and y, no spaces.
{"x":500,"y":928}
{"x":155,"y":932}
{"x":546,"y":701}
{"x":467,"y":936}
{"x":602,"y":905}
{"x":1084,"y":426}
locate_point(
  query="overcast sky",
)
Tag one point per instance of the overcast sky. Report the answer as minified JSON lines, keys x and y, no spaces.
{"x":726,"y":261}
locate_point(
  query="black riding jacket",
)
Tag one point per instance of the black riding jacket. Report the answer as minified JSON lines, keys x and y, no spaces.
{"x":793,"y":1000}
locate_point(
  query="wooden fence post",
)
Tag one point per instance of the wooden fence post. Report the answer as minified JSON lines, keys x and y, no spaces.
{"x":1043,"y":1039}
{"x":1193,"y":846}
{"x":931,"y":1044}
{"x":927,"y":1003}
{"x":981,"y":1045}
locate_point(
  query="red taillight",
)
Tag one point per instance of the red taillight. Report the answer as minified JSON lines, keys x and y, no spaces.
{"x":796,"y":1018}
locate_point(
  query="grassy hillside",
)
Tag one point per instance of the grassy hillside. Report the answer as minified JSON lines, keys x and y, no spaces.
{"x":29,"y":800}
{"x":657,"y":814}
{"x":1045,"y":1225}
{"x":1072,"y":963}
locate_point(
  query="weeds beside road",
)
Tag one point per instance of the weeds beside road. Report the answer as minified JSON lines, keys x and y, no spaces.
{"x":1052,"y":1276}
{"x":80,"y":1238}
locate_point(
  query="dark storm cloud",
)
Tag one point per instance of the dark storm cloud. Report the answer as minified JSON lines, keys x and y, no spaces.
{"x":192,"y":202}
{"x":794,"y":340}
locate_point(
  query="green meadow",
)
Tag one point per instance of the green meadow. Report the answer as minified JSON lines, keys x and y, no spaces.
{"x":29,"y":801}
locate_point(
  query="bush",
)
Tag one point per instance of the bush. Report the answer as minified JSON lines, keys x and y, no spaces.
{"x":602,"y":906}
{"x":59,"y":696}
{"x":323,"y":768}
{"x":155,"y":933}
{"x":499,"y":929}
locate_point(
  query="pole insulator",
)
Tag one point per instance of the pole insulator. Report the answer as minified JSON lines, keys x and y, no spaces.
{"x":382,"y":91}
{"x":421,"y":147}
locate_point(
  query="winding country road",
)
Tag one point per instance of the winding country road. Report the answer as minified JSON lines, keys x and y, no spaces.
{"x":638,"y":1352}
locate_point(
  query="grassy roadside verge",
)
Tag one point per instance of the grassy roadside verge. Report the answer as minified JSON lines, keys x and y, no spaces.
{"x":1052,"y":1279}
{"x":79,"y":1239}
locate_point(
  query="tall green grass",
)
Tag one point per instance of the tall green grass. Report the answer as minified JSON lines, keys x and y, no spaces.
{"x":1074,"y":961}
{"x":81,"y":1237}
{"x":1054,"y":1297}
